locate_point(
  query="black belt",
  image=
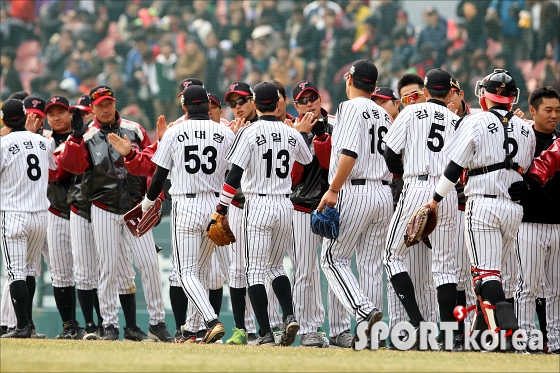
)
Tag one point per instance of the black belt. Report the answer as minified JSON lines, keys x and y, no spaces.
{"x":193,"y":195}
{"x":490,"y":196}
{"x":495,"y":167}
{"x":423,"y":177}
{"x":363,"y":182}
{"x":264,"y":195}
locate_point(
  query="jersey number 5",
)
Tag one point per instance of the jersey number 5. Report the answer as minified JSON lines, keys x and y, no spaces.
{"x":33,"y":171}
{"x":381,"y":131}
{"x":284,"y":156}
{"x":190,"y":155}
{"x":436,"y":145}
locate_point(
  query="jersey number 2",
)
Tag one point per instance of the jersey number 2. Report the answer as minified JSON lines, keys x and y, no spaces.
{"x":33,"y":171}
{"x":284,"y":156}
{"x":381,"y":131}
{"x":190,"y":155}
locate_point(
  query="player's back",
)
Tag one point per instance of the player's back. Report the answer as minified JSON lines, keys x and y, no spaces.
{"x":271,"y":149}
{"x":24,"y":172}
{"x":419,"y":133}
{"x":194,"y":151}
{"x":360,"y":125}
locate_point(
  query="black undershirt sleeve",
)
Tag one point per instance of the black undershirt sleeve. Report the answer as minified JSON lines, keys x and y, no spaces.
{"x":394,"y":162}
{"x":157,"y":183}
{"x":349,"y":153}
{"x":233,"y":178}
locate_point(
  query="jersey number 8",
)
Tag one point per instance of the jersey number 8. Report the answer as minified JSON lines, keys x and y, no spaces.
{"x":190,"y":155}
{"x":33,"y":171}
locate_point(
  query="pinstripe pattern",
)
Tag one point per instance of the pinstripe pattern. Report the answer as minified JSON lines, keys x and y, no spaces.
{"x":339,"y":318}
{"x":193,"y":249}
{"x":364,"y":211}
{"x":273,"y":309}
{"x":237,"y":278}
{"x":537,"y":247}
{"x":60,"y":251}
{"x":114,"y":244}
{"x":7,"y":313}
{"x":492,"y":224}
{"x":443,"y":238}
{"x":464,"y":264}
{"x":86,"y":267}
{"x":510,"y":272}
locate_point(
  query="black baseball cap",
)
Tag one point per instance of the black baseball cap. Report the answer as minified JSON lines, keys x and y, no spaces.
{"x":266,"y":93}
{"x":57,"y":100}
{"x":83,"y":104}
{"x":302,"y":86}
{"x":386,"y":93}
{"x":12,"y":111}
{"x":438,"y":80}
{"x":100,"y":93}
{"x":35,"y":105}
{"x":214,"y":98}
{"x":364,"y":71}
{"x":194,"y":95}
{"x":19,"y":95}
{"x":241,"y":88}
{"x":187,"y":83}
{"x":455,"y":85}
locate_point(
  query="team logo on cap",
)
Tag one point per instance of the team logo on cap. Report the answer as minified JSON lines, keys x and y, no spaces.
{"x":80,"y":100}
{"x":232,"y":87}
{"x":54,"y":99}
{"x":35,"y":103}
{"x":376,"y":90}
{"x":187,"y":83}
{"x":352,"y":69}
{"x":302,"y":85}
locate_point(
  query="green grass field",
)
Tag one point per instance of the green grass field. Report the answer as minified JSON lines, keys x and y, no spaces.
{"x":92,"y":356}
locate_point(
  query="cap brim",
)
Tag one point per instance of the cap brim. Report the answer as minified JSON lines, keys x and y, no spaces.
{"x":36,"y":111}
{"x":383,"y":96}
{"x":306,"y":89}
{"x":56,"y":104}
{"x":215,"y":101}
{"x":99,"y":99}
{"x":81,"y":107}
{"x":242,"y":93}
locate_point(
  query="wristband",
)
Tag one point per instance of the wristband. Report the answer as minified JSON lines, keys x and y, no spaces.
{"x":334,"y":191}
{"x":146,"y":204}
{"x":444,"y":186}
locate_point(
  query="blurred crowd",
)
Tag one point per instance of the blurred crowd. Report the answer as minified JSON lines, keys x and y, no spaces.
{"x":143,"y":49}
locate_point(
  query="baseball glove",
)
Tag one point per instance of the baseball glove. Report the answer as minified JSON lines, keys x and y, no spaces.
{"x":138,"y":225}
{"x":422,"y":222}
{"x":219,"y":231}
{"x":325,"y":223}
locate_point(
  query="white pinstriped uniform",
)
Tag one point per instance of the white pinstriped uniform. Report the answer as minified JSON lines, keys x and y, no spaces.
{"x":419,"y":134}
{"x":266,"y":151}
{"x":491,"y":223}
{"x":194,"y":153}
{"x":464,"y":276}
{"x":364,"y":209}
{"x":86,"y":268}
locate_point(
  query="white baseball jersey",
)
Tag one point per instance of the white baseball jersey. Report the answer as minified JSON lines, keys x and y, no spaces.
{"x":360,"y":125}
{"x":419,"y":133}
{"x":479,"y":141}
{"x":266,"y":151}
{"x":25,"y":160}
{"x":205,"y":145}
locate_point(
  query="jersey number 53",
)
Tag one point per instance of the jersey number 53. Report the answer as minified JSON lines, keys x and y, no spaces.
{"x":191,"y":155}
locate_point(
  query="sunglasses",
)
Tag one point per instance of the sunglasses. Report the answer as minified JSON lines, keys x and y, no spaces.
{"x":239,"y":101}
{"x":414,"y":96}
{"x":305,"y":100}
{"x":456,"y":86}
{"x":104,"y":92}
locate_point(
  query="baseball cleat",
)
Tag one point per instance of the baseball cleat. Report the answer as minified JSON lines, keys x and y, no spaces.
{"x":289,"y":332}
{"x":277,"y":334}
{"x":19,"y":333}
{"x":135,"y":334}
{"x":239,"y":337}
{"x":184,"y":336}
{"x":343,"y":340}
{"x":159,"y":333}
{"x":252,"y":339}
{"x":266,"y":340}
{"x":111,"y":333}
{"x":312,"y":339}
{"x":374,"y":316}
{"x":90,"y":332}
{"x":68,"y":331}
{"x":213,"y":334}
{"x":36,"y":335}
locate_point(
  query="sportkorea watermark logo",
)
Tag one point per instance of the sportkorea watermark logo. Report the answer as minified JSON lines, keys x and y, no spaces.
{"x":424,"y":337}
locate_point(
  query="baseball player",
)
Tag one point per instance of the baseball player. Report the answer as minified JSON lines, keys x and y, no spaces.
{"x":25,"y":160}
{"x":193,"y":152}
{"x":538,"y":238}
{"x":263,"y":154}
{"x":419,"y":134}
{"x":496,"y":147}
{"x":359,"y":187}
{"x":113,"y":191}
{"x":309,"y":183}
{"x":388,"y":100}
{"x":83,"y":104}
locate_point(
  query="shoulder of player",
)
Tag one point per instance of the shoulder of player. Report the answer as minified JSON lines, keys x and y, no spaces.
{"x":91,"y":132}
{"x":248,"y":129}
{"x":132,"y":126}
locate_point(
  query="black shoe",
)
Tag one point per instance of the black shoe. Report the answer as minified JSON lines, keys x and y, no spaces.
{"x":200,"y":335}
{"x":135,"y":334}
{"x":289,"y":331}
{"x":111,"y":334}
{"x":3,"y":331}
{"x":68,"y":331}
{"x":266,"y":340}
{"x":252,"y":339}
{"x":80,"y":332}
{"x":374,"y":316}
{"x":90,"y":332}
{"x":100,"y":331}
{"x":19,"y":333}
{"x":159,"y":333}
{"x":556,"y":352}
{"x":34,"y":334}
{"x":458,"y":343}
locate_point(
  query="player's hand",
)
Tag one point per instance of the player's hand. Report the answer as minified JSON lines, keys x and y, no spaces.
{"x":239,"y":123}
{"x":123,"y":146}
{"x":33,"y":123}
{"x":78,"y":125}
{"x":306,"y":123}
{"x":451,"y":106}
{"x":433,"y":204}
{"x":288,"y":123}
{"x":518,"y":113}
{"x":329,"y":199}
{"x":161,"y":126}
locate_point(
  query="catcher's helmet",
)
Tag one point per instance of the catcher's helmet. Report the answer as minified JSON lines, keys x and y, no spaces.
{"x":498,"y":87}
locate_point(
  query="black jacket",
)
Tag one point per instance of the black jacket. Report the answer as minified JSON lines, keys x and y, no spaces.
{"x":57,"y":192}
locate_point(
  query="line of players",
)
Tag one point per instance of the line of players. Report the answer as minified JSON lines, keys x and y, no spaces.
{"x":309,"y":310}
